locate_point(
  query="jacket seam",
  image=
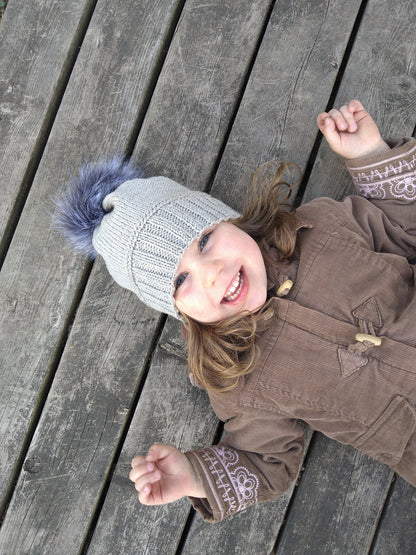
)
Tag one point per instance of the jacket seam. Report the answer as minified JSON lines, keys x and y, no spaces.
{"x":310,"y":404}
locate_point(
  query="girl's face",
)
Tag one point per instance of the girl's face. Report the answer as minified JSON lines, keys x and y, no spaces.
{"x":220,"y":274}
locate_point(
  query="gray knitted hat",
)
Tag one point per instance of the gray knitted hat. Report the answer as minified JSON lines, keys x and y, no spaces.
{"x":141,"y":227}
{"x":148,"y":226}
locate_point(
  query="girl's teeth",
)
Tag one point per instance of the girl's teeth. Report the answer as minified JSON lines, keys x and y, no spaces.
{"x":235,"y":288}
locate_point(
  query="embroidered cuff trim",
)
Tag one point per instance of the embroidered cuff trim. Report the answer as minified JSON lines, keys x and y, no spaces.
{"x":236,"y":487}
{"x":394,"y":178}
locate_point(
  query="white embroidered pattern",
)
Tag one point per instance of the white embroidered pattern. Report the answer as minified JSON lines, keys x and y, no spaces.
{"x":393,"y":181}
{"x":404,"y":188}
{"x":238,"y":486}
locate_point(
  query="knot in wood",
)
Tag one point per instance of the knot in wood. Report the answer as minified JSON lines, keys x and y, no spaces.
{"x":32,"y":465}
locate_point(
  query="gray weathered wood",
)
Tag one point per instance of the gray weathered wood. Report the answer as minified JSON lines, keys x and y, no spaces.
{"x":190,"y":112}
{"x":300,"y":58}
{"x":35,"y":46}
{"x":338,"y":503}
{"x":397,"y":527}
{"x":170,"y":411}
{"x":39,"y":277}
{"x":31,"y":494}
{"x":84,"y":415}
{"x":337,"y":507}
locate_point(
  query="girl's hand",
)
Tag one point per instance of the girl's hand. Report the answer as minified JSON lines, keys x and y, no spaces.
{"x":351,"y":131}
{"x":164,"y":475}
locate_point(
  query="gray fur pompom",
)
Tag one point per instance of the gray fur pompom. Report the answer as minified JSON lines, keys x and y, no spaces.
{"x":79,"y":210}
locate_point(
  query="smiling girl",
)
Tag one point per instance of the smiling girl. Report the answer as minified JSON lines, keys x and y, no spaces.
{"x":220,"y":275}
{"x":291,"y":318}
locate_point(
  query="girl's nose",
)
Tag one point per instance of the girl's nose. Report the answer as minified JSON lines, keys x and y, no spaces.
{"x":210,"y":272}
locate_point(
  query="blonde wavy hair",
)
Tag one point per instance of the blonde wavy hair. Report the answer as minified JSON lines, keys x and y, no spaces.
{"x":219,"y":353}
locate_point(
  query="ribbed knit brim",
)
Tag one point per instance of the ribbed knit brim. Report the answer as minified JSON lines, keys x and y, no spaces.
{"x":148,"y":226}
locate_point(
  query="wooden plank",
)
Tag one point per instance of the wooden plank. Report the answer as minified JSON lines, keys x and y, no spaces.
{"x":90,"y":420}
{"x":341,"y":491}
{"x":190,"y":112}
{"x":379,"y":71}
{"x":36,"y":42}
{"x":39,"y":277}
{"x":85,"y":413}
{"x":170,"y":411}
{"x":300,"y":60}
{"x":397,"y":527}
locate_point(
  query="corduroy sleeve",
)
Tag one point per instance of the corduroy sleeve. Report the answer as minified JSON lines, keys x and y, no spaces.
{"x":258,"y":460}
{"x":384,"y":212}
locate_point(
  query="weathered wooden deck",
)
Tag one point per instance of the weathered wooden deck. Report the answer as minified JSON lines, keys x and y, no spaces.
{"x":202,"y":92}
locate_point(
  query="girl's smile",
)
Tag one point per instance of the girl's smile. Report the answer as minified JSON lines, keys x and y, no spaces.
{"x":220,"y":274}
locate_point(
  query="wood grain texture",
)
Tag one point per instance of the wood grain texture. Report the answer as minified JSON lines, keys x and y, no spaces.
{"x":170,"y":411}
{"x":39,"y":278}
{"x":82,"y":420}
{"x":204,"y":72}
{"x":338,"y":502}
{"x":396,"y":533}
{"x":70,"y":119}
{"x":228,"y":97}
{"x":35,"y":43}
{"x":289,"y":85}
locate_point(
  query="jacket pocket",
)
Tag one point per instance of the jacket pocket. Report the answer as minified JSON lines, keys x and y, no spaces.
{"x":388,"y":436}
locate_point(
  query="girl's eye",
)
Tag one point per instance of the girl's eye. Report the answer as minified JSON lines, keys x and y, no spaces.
{"x":204,"y":241}
{"x":179,"y":280}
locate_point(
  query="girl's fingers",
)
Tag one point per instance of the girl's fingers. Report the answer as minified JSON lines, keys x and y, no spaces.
{"x":159,"y":451}
{"x":150,"y":495}
{"x":145,"y":495}
{"x":338,"y":119}
{"x":344,"y":119}
{"x":327,"y":127}
{"x":143,"y":474}
{"x":349,"y":119}
{"x":143,"y":484}
{"x":325,"y":122}
{"x":141,"y":469}
{"x":355,"y":106}
{"x":321,"y":119}
{"x":138,"y":459}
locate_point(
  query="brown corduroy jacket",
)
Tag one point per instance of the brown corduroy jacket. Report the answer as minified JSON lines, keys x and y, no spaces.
{"x":340,"y":354}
